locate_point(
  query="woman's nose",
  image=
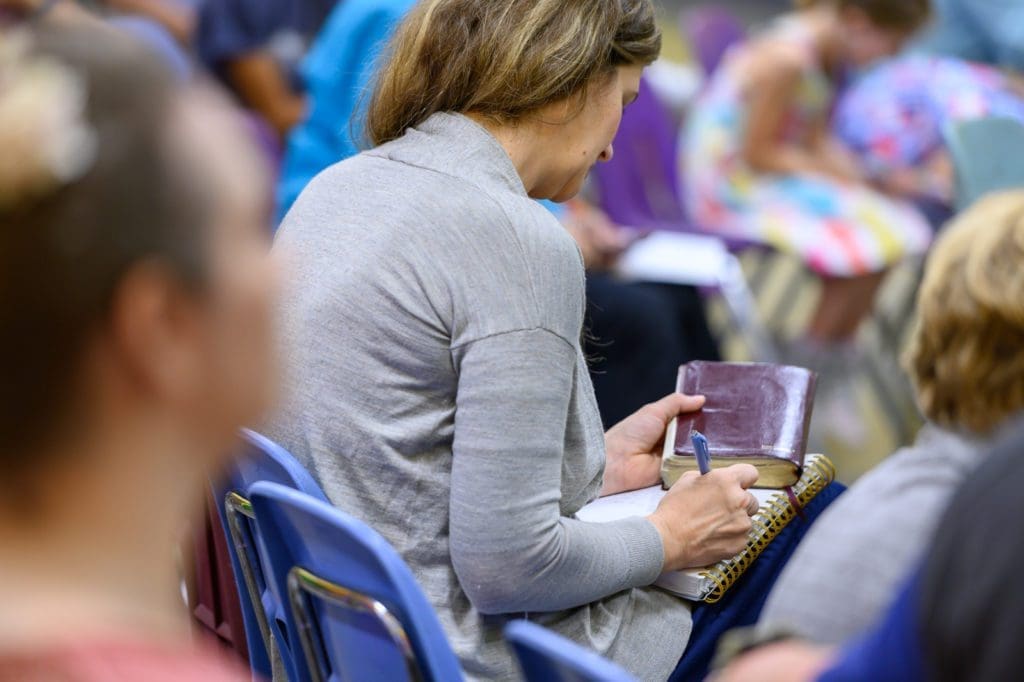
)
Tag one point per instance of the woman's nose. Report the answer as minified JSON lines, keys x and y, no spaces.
{"x":607,"y":154}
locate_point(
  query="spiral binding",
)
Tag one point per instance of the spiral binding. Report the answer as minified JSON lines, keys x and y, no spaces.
{"x":818,"y":473}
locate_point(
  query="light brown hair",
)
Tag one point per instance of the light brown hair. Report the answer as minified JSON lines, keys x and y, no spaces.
{"x":966,"y":357}
{"x":900,"y":15}
{"x":504,"y":58}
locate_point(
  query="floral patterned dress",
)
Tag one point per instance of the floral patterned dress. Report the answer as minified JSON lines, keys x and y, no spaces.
{"x":838,"y":229}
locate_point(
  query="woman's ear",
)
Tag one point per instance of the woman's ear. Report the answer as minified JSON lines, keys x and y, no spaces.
{"x":155,"y":333}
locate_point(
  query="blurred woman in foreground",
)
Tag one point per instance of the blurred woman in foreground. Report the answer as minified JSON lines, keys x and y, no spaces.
{"x":135,"y":304}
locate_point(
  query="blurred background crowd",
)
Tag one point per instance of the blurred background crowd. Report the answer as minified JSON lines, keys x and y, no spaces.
{"x":795,"y":182}
{"x":821,"y":274}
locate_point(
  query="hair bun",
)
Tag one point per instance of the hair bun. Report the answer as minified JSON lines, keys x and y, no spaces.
{"x":46,"y":141}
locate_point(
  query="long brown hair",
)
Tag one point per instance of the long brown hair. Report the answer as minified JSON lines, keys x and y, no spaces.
{"x":504,"y":58}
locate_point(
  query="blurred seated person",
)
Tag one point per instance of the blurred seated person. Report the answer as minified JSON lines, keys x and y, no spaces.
{"x":893,"y":117}
{"x":255,"y":46}
{"x":955,"y":620}
{"x":135,"y":304}
{"x":636,"y":333}
{"x":761,"y":166}
{"x":966,"y":361}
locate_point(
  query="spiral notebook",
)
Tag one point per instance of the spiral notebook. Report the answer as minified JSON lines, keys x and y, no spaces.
{"x":709,"y":583}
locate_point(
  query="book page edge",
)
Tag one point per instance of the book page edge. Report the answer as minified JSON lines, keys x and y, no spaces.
{"x":670,"y":439}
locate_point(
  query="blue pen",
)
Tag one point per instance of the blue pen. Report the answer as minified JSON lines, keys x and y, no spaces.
{"x":700,"y":451}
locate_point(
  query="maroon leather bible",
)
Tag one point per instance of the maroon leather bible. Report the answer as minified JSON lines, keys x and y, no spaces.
{"x":755,"y":413}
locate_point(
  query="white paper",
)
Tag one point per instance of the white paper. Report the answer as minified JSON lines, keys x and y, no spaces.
{"x":675,"y":258}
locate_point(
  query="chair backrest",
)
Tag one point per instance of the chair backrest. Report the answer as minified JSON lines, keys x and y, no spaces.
{"x":639,"y":186}
{"x":260,"y":460}
{"x":710,"y":31}
{"x":546,"y":656}
{"x":354,"y":605}
{"x":988,"y":155}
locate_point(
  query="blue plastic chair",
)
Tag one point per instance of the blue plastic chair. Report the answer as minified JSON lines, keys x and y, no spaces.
{"x":261,"y":460}
{"x":988,"y":155}
{"x":353,"y":604}
{"x":548,"y":657}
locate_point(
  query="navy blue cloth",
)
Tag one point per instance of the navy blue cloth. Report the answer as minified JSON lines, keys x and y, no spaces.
{"x":638,"y":333}
{"x":741,"y":606}
{"x":891,"y":651}
{"x":232,"y":28}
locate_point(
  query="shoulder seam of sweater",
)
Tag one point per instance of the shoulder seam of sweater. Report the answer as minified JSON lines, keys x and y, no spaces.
{"x":488,"y":193}
{"x":515,"y":331}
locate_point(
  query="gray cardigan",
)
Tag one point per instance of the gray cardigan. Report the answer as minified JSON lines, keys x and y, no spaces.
{"x":437,"y":390}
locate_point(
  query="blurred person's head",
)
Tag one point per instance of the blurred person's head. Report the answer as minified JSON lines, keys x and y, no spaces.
{"x":966,"y":357}
{"x":872,"y":29}
{"x":554,"y":72}
{"x":134,"y":275}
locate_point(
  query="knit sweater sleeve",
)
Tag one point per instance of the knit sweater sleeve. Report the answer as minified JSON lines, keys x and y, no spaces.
{"x":511,"y":548}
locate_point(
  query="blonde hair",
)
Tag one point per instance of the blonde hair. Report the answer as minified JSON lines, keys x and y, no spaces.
{"x":900,"y":15}
{"x":966,"y":358}
{"x":504,"y":58}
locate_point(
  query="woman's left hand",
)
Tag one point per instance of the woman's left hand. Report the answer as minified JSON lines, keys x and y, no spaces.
{"x":634,"y":445}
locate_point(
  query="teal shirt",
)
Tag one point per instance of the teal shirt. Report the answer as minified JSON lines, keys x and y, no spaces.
{"x":338,"y":72}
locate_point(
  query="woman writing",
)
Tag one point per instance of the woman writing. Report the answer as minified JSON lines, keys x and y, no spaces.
{"x":437,"y":386}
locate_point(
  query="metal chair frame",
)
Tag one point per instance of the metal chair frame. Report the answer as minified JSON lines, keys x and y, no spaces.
{"x":236,"y":509}
{"x":303,"y":584}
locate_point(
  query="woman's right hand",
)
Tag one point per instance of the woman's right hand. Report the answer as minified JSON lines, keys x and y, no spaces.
{"x":704,"y":519}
